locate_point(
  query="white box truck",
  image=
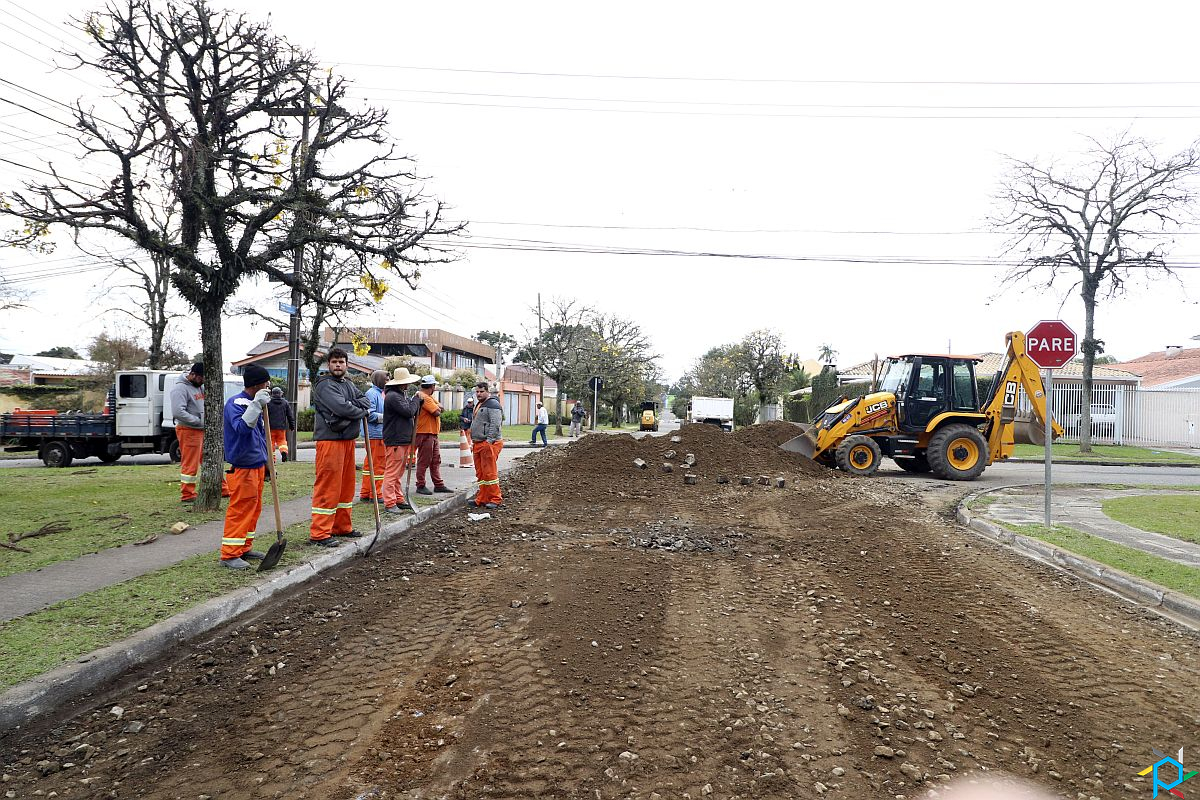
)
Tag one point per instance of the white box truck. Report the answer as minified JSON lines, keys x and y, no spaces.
{"x":712,"y":411}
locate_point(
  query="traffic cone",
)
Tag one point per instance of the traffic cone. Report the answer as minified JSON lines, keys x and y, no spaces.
{"x":464,"y":450}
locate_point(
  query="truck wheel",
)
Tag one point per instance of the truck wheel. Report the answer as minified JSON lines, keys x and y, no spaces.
{"x":858,"y":455}
{"x":57,"y":454}
{"x":918,"y":464}
{"x":957,"y":453}
{"x":174,"y":453}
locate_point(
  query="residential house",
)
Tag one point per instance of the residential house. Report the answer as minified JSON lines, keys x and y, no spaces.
{"x":1111,"y":375}
{"x":521,"y":390}
{"x":46,"y":371}
{"x":1173,"y":367}
{"x":442,"y":351}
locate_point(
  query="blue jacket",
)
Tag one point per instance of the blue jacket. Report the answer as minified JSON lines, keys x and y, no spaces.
{"x":245,"y":447}
{"x":375,"y":417}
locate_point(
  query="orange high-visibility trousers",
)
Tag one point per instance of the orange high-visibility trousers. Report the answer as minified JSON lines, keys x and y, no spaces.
{"x":487,"y":472}
{"x":397,"y":458}
{"x":278,"y":442}
{"x":333,"y":494}
{"x":191,"y":443}
{"x":379,"y":454}
{"x":241,"y":517}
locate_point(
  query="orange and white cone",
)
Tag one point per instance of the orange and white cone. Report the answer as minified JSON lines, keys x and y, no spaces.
{"x":464,"y":451}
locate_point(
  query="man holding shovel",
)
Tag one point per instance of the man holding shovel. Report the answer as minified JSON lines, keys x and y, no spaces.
{"x":341,"y":408}
{"x":246,"y":451}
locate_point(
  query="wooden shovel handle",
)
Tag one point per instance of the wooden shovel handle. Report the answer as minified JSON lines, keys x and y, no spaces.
{"x":266,"y":418}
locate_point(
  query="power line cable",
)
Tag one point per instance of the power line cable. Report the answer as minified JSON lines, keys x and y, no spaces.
{"x":62,"y":27}
{"x":797,"y":81}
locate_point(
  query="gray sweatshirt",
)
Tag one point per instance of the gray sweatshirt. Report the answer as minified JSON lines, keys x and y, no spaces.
{"x":187,"y":404}
{"x":485,"y":425}
{"x":338,"y":402}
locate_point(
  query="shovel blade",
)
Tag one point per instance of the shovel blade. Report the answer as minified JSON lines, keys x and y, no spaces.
{"x":805,"y":444}
{"x":274,"y":553}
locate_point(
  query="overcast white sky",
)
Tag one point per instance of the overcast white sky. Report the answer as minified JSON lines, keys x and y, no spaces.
{"x":865,"y":131}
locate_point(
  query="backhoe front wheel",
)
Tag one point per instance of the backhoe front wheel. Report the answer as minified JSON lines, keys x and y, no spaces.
{"x":858,"y":455}
{"x":957,"y":453}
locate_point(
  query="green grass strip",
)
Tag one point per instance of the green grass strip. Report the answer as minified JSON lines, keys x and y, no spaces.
{"x":1177,"y":516}
{"x":1162,"y":571}
{"x":1105,"y":453}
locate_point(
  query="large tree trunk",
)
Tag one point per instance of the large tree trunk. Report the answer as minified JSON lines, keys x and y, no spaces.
{"x":558,"y":398}
{"x":1089,"y":345}
{"x":212,"y":462}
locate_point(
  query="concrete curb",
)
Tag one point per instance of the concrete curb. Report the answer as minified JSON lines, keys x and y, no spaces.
{"x":1079,"y":462}
{"x":1176,"y":607}
{"x":71,"y":682}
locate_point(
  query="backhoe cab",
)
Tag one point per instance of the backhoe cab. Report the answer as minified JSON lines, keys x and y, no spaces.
{"x":927,"y":417}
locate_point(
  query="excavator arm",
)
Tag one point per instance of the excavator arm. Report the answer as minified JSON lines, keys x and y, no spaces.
{"x":1000,"y":407}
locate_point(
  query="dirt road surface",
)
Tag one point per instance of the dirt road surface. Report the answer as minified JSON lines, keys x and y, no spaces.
{"x":616,"y":633}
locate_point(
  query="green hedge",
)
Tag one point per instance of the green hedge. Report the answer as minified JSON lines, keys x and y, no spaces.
{"x":34,"y":393}
{"x":304,"y":419}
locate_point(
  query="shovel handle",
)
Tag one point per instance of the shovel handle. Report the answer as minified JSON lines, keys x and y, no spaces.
{"x":266,"y":418}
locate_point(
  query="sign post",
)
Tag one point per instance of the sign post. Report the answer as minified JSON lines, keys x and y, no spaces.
{"x":1050,"y":344}
{"x":595,"y":383}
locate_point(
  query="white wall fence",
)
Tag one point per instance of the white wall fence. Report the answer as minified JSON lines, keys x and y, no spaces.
{"x":1128,"y":415}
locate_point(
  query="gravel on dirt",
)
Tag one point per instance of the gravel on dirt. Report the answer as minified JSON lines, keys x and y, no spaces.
{"x":614,"y":632}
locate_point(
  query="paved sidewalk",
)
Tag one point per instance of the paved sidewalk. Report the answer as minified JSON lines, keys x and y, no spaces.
{"x":1080,"y":508}
{"x":27,"y":592}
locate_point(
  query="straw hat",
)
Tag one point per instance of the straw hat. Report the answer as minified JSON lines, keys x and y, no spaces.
{"x":401,"y":377}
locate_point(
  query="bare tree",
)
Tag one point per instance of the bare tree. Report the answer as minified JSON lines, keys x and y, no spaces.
{"x":1096,"y":224}
{"x":558,"y":351}
{"x":210,"y":108}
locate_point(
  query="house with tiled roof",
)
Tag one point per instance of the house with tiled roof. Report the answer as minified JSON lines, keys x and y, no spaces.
{"x":1174,"y":367}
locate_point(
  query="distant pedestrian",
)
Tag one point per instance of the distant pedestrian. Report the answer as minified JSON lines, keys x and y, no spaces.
{"x":578,"y":415}
{"x":399,"y":424}
{"x":246,"y":451}
{"x":464,"y":417}
{"x":543,"y":420}
{"x":375,"y":437}
{"x":279,"y":414}
{"x":340,"y":409}
{"x":429,"y":427}
{"x":187,"y":409}
{"x":486,"y":443}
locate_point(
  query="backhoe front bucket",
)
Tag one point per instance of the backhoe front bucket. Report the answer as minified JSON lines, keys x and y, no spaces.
{"x":1027,"y":430}
{"x":805,"y":444}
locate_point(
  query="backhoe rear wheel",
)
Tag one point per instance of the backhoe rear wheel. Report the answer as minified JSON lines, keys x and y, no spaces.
{"x":858,"y":455}
{"x":957,"y":453}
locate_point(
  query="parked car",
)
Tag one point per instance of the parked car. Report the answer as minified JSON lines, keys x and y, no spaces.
{"x":1105,"y":420}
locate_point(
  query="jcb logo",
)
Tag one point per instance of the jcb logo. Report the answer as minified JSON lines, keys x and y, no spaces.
{"x":880,"y":406}
{"x":1010,"y":393}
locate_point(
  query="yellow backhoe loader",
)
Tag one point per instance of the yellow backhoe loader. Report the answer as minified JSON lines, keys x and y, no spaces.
{"x":927,"y":417}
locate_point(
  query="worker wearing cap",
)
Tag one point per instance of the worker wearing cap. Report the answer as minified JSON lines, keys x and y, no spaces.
{"x":279,"y":414}
{"x":187,"y":409}
{"x":486,"y":444}
{"x":246,"y":451}
{"x":429,"y":425}
{"x":340,"y":409}
{"x":374,"y":441}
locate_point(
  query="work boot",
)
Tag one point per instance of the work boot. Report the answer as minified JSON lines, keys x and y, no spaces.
{"x":490,"y":505}
{"x":364,"y":499}
{"x":234,"y":563}
{"x":254,"y":555}
{"x":423,"y":490}
{"x":443,"y":490}
{"x":283,"y":457}
{"x":394,"y":509}
{"x":327,"y":542}
{"x":351,"y":534}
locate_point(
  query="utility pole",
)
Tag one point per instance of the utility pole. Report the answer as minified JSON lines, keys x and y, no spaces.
{"x":541,"y":372}
{"x":293,"y":363}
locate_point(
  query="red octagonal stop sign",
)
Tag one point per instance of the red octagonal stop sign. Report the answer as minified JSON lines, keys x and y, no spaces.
{"x":1051,"y":343}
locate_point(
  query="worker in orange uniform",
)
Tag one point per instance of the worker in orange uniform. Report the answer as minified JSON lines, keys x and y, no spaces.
{"x":340,"y":409}
{"x":486,"y":443}
{"x":279,"y":414}
{"x":246,"y":451}
{"x":374,"y":440}
{"x":187,"y":408}
{"x":429,"y":426}
{"x":399,"y":421}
